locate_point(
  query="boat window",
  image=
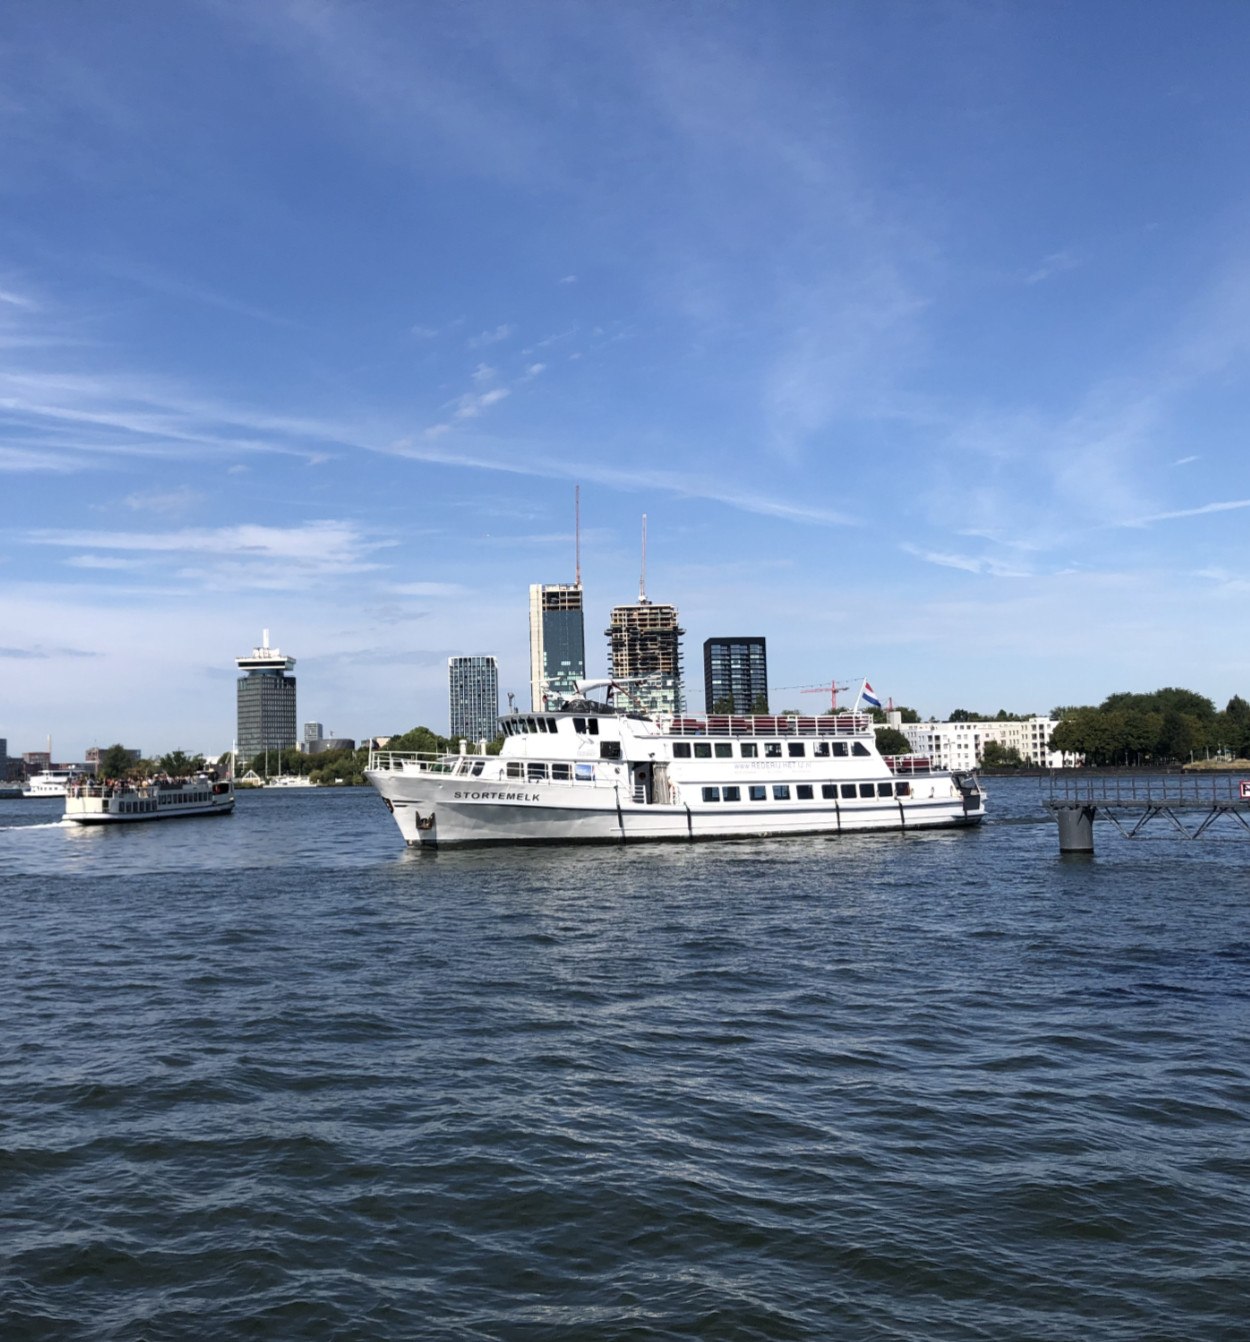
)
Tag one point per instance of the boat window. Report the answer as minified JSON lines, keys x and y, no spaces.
{"x":781,"y":792}
{"x":536,"y":771}
{"x":711,"y":794}
{"x":724,"y":750}
{"x":681,"y":750}
{"x":757,"y":792}
{"x":732,"y":794}
{"x":609,"y":750}
{"x":702,"y":750}
{"x":848,"y":791}
{"x":579,"y":725}
{"x":584,"y":773}
{"x":478,"y":766}
{"x":592,"y":726}
{"x":750,"y":750}
{"x":552,"y":725}
{"x":795,"y":749}
{"x":514,"y":769}
{"x":772,"y":750}
{"x":859,"y":748}
{"x":820,"y":749}
{"x":532,"y":725}
{"x":560,"y":773}
{"x":803,"y":791}
{"x":885,"y":789}
{"x":839,"y":749}
{"x":903,"y":789}
{"x":829,"y":791}
{"x":867,"y":790}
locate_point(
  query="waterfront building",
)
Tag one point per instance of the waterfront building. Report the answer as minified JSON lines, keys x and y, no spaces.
{"x":735,"y":675}
{"x":325,"y":744}
{"x":266,"y":701}
{"x":313,"y":731}
{"x":961,"y":745}
{"x":644,"y":646}
{"x":557,"y":641}
{"x":473,"y":696}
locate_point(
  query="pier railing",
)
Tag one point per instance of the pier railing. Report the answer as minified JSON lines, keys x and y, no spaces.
{"x":1186,"y":804}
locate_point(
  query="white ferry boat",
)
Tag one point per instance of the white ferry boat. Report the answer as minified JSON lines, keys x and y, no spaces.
{"x":290,"y":780}
{"x":49,"y":783}
{"x":592,"y":773}
{"x":91,"y":803}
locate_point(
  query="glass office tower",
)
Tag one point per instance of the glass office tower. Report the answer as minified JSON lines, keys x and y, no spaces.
{"x":473,"y":696}
{"x":557,"y":642}
{"x":266,"y":702}
{"x":735,"y":675}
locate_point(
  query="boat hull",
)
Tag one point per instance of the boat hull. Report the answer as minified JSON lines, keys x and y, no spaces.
{"x":439,"y":812}
{"x":93,"y":805}
{"x":184,"y":813}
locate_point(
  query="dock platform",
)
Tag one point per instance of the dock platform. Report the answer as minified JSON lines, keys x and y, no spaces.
{"x":1189,"y":804}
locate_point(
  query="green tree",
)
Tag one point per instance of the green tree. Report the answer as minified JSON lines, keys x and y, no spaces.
{"x":722,"y":705}
{"x":760,"y":704}
{"x":115,"y":762}
{"x":995,"y":755}
{"x":890,"y":741}
{"x":964,"y":715}
{"x":1232,"y":728}
{"x":179,"y":764}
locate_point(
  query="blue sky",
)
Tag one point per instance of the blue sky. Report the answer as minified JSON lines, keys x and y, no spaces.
{"x":919,"y":331}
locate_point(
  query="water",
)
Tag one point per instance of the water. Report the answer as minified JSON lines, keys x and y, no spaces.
{"x":273,"y":1076}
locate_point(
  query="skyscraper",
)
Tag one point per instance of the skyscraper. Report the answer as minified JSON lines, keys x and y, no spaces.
{"x":644,"y":641}
{"x":266,"y":701}
{"x":473,"y":694}
{"x":735,"y":675}
{"x":557,"y":641}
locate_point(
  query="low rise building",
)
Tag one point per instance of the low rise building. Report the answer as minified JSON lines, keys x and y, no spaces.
{"x":961,"y":745}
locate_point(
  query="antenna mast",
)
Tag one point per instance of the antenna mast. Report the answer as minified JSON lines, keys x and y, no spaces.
{"x":642,"y":581}
{"x":577,"y":533}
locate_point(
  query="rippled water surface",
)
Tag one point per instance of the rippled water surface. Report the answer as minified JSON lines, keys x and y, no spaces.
{"x":273,"y":1076}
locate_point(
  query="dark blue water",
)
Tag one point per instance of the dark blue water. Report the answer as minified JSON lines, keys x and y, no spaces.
{"x":275,"y":1077}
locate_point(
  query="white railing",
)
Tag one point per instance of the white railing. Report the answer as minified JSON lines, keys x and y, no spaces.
{"x":724,"y":724}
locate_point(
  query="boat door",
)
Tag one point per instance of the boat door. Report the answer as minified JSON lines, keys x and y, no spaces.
{"x":641,"y":777}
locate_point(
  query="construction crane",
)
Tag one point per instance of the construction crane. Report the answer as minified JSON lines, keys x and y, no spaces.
{"x":833,"y":689}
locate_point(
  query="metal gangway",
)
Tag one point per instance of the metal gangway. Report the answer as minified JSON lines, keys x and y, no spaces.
{"x":1189,"y":803}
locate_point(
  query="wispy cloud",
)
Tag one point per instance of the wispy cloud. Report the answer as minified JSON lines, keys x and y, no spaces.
{"x":988,"y":566}
{"x":39,"y":653}
{"x":493,"y":337}
{"x":1054,"y":264}
{"x":167,"y":502}
{"x":1232,"y":505}
{"x":248,"y":555}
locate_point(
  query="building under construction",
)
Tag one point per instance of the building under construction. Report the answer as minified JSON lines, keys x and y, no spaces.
{"x":644,"y":644}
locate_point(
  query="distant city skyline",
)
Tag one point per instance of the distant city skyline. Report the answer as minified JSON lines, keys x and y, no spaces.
{"x":918,"y":334}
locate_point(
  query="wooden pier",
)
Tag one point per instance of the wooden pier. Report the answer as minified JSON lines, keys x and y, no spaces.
{"x":1190,"y":804}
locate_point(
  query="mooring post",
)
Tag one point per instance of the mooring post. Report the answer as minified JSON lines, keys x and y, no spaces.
{"x":1076,"y":827}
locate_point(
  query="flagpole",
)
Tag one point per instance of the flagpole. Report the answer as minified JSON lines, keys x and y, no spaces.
{"x":859,"y":697}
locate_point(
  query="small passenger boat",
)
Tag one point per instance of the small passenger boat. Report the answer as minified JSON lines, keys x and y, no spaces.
{"x":593,"y":773}
{"x":49,"y":783}
{"x":91,"y":803}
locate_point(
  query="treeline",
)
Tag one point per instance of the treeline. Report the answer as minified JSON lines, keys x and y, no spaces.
{"x":1170,"y":726}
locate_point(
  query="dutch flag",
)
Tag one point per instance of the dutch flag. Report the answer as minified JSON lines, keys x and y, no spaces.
{"x":867,"y":696}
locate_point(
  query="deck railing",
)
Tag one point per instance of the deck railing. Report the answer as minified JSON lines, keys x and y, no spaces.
{"x":721,"y":724}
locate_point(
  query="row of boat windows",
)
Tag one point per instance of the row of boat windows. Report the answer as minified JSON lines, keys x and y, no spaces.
{"x":146,"y":805}
{"x":750,"y":750}
{"x":559,"y":773}
{"x":806,"y":792}
{"x":531,"y":726}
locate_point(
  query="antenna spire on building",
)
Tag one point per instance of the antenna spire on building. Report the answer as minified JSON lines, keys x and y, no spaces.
{"x":577,"y":535}
{"x":642,"y":581}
